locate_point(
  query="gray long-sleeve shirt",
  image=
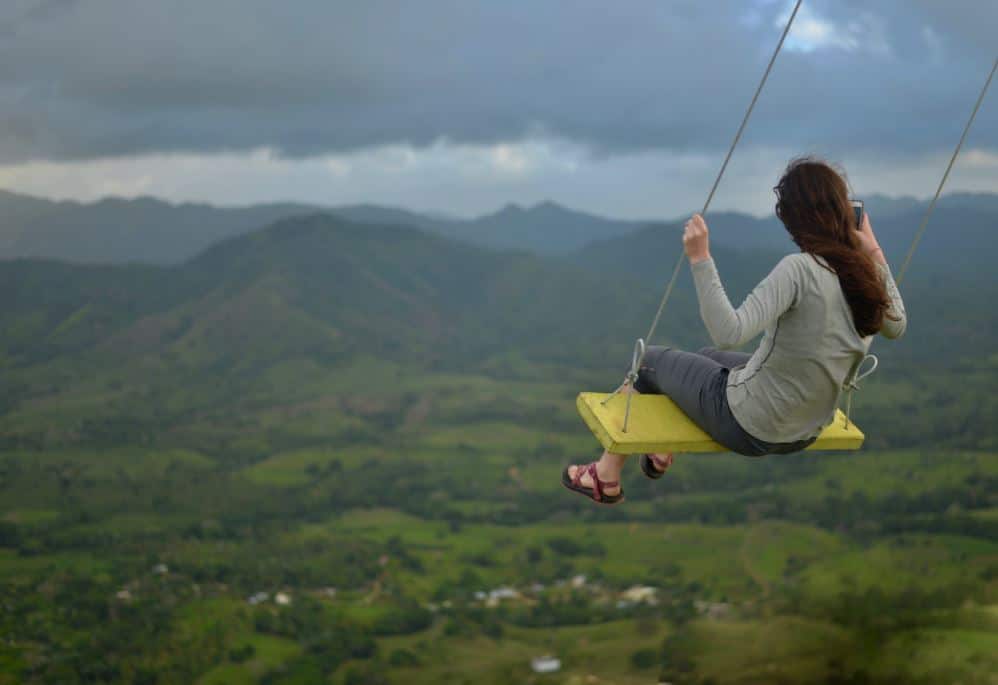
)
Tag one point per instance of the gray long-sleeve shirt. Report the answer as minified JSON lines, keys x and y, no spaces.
{"x":789,"y":389}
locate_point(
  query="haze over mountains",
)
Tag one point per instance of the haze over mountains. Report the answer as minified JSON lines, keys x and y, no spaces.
{"x":151,"y":231}
{"x":115,"y":230}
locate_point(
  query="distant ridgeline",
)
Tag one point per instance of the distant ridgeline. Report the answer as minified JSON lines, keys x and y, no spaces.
{"x":155,"y":232}
{"x":319,"y":294}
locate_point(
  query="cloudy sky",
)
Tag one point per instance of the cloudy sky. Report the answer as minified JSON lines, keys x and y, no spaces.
{"x":461,"y":106}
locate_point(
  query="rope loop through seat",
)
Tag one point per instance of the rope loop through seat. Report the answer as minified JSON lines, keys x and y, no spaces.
{"x":630,"y":379}
{"x":852,"y":383}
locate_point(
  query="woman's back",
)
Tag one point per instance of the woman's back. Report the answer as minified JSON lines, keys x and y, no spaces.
{"x":790,"y":387}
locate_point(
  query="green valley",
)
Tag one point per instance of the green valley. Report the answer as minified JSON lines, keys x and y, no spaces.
{"x":330,"y":452}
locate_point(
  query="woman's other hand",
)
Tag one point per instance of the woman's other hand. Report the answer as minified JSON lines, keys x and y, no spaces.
{"x":695,"y":241}
{"x":868,"y":241}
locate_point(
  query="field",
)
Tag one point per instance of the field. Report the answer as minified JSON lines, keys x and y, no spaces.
{"x":446,"y":551}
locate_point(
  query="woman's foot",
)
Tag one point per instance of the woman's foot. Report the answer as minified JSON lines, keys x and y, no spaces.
{"x":598,"y":481}
{"x":655,"y":465}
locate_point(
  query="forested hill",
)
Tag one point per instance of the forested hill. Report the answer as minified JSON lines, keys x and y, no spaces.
{"x":315,"y":285}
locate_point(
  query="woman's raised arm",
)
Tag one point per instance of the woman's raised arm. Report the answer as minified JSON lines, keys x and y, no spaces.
{"x":727,"y":326}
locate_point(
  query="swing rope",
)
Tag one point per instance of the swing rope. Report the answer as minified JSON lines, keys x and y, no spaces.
{"x":852,"y":383}
{"x":932,"y":205}
{"x":724,"y":166}
{"x":639,"y":351}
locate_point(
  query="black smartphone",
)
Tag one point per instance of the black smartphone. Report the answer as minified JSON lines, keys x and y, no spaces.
{"x":857,"y":208}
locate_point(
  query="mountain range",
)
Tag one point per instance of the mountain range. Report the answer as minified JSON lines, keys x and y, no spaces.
{"x":315,"y":286}
{"x":314,"y":296}
{"x":150,"y":231}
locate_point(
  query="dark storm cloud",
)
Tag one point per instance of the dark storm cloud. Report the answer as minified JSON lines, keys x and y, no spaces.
{"x":118,"y":77}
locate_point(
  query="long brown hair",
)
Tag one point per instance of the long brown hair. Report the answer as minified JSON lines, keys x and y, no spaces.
{"x":813,"y":204}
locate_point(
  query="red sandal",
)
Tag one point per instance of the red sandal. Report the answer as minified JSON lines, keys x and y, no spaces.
{"x":595,"y":493}
{"x":653,"y":467}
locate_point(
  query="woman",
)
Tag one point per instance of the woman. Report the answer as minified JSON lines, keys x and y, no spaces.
{"x":817,"y":310}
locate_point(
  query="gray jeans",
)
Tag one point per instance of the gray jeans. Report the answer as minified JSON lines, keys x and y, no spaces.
{"x":698,"y":384}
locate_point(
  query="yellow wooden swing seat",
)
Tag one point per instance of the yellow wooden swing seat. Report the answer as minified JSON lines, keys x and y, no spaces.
{"x":656,"y":424}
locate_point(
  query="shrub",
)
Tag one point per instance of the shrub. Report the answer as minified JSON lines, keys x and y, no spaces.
{"x":644,"y":658}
